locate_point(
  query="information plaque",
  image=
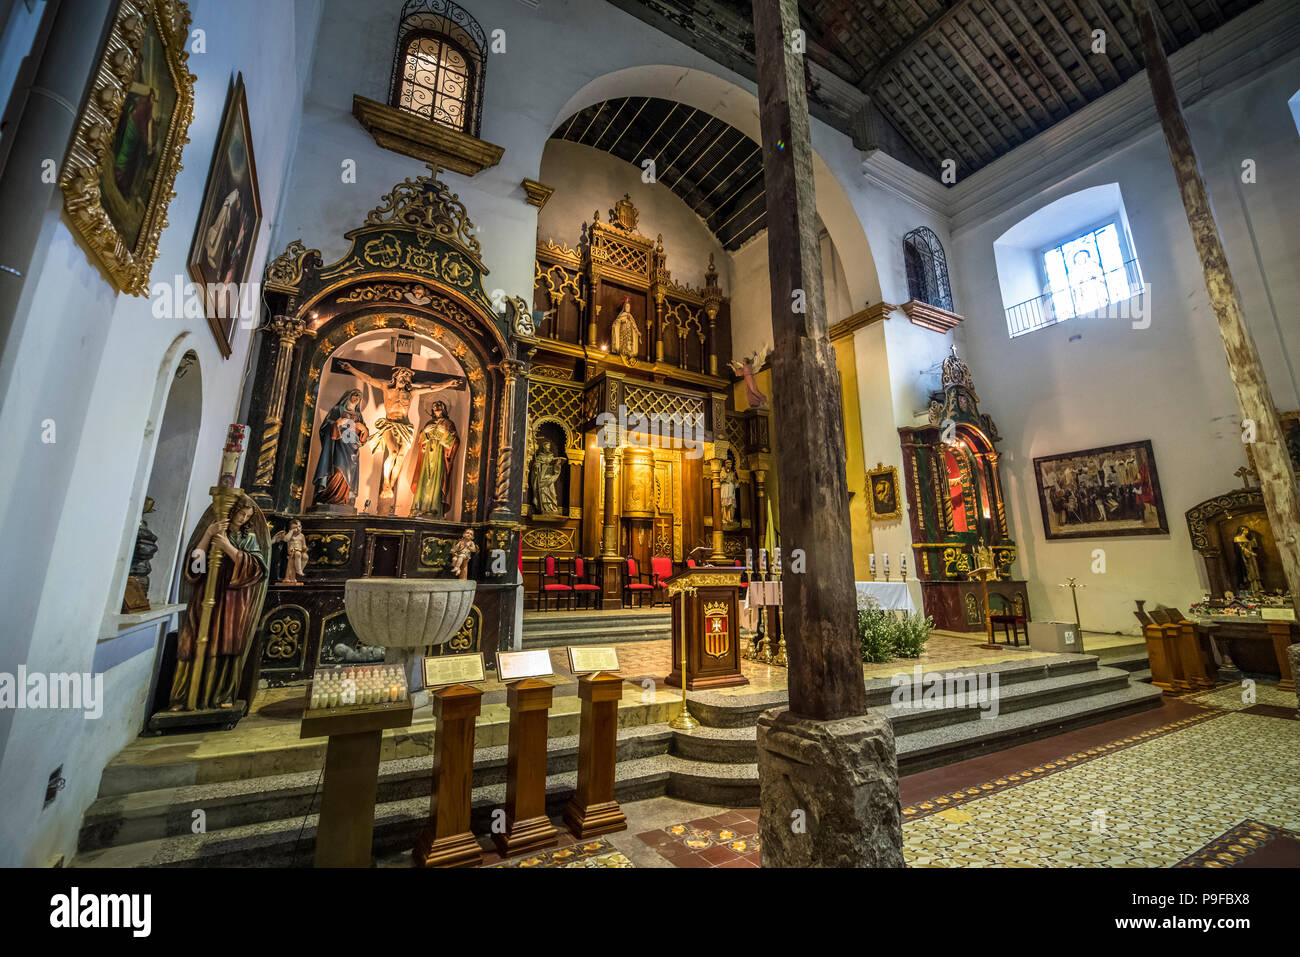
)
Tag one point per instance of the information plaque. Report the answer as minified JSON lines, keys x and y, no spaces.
{"x":453,"y":669}
{"x":587,"y":660}
{"x":513,"y":665}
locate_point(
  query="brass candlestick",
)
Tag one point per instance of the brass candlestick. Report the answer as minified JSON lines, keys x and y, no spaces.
{"x":684,"y":721}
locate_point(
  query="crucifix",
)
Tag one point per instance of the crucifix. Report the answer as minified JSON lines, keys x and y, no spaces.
{"x":394,"y":430}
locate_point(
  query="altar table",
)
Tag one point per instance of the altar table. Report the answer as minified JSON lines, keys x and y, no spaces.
{"x":890,"y":595}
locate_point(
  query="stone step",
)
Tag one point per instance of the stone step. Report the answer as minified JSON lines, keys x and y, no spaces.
{"x":738,"y":745}
{"x":557,"y":629}
{"x":1130,"y":662}
{"x":169,"y":811}
{"x":290,"y":842}
{"x":1141,"y":674}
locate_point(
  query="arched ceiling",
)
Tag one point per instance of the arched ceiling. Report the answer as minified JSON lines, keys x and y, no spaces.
{"x":711,"y":166}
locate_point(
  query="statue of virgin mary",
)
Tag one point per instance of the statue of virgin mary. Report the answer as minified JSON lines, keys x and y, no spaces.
{"x":341,"y":435}
{"x":624,"y":336}
{"x":431,"y":481}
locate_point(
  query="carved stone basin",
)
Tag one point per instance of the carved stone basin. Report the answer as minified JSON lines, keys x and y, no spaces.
{"x":406,"y":615}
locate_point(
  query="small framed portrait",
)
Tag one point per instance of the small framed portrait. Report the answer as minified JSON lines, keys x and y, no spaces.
{"x":882,"y":490}
{"x":226,"y":234}
{"x":122,"y":164}
{"x":1101,"y":492}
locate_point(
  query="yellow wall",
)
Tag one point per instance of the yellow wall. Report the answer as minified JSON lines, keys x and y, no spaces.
{"x":854,"y":464}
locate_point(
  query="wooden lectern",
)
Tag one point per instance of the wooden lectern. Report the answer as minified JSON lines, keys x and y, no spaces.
{"x":706,"y":607}
{"x":446,"y":840}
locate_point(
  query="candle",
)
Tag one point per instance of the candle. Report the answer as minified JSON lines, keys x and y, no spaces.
{"x":230,"y":456}
{"x":749,"y":559}
{"x":762,"y":560}
{"x":873,"y":563}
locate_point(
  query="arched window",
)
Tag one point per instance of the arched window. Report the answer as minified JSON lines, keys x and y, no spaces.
{"x":927,"y":268}
{"x":438,"y":65}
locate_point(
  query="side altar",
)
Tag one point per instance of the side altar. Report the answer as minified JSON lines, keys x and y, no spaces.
{"x":388,"y":394}
{"x":705,"y":603}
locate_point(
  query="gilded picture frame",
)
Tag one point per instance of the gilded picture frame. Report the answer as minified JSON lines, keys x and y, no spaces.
{"x":121,"y":168}
{"x":225,"y":236}
{"x":883,"y":501}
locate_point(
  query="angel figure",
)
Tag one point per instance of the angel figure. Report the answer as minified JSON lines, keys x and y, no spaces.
{"x":461,"y":553}
{"x":745,"y":369}
{"x":296,"y":561}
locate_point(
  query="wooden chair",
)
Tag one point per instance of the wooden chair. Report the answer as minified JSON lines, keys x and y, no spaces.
{"x":554,"y":588}
{"x":1002,"y":613}
{"x":634,"y":583}
{"x":585,"y":591}
{"x":661,"y":569}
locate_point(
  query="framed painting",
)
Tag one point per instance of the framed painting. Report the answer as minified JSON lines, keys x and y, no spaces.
{"x":226,"y":233}
{"x":884,"y":504}
{"x":118,"y":176}
{"x":1100,"y":492}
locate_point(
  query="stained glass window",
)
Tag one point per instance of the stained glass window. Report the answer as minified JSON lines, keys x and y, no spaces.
{"x":1088,"y":272}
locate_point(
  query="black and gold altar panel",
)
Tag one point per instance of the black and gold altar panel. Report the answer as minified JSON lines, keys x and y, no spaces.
{"x":387,"y":415}
{"x":954,"y":492}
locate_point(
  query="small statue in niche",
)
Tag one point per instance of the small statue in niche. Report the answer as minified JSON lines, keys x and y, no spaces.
{"x":461,"y":553}
{"x":544,"y":477}
{"x":342,"y":434}
{"x":296,"y":561}
{"x":1246,"y":544}
{"x":730,"y":495}
{"x":746,"y":369}
{"x":624,"y":335}
{"x":137,"y":583}
{"x":431,"y":481}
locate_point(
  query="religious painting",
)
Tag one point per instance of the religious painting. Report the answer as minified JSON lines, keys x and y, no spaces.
{"x":226,"y":234}
{"x":1101,"y":492}
{"x":884,"y":504}
{"x":118,"y":179}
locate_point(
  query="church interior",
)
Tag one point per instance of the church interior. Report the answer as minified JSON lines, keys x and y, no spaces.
{"x":650,"y":433}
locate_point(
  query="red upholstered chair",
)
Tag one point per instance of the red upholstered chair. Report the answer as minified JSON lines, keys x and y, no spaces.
{"x":634,"y":583}
{"x":584,"y":591}
{"x":549,"y":585}
{"x":661,"y":569}
{"x":690,"y":563}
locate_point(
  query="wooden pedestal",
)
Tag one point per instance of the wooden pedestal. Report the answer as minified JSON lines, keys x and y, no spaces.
{"x":705,"y":606}
{"x":347,"y":809}
{"x":527,"y":826}
{"x":1194,"y":665}
{"x":592,"y":809}
{"x":446,"y":841}
{"x":1166,"y":666}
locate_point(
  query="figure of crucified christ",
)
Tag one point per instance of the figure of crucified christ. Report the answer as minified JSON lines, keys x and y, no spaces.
{"x":394,"y":430}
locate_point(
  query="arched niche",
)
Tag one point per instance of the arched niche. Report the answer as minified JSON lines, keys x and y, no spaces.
{"x":447,"y":338}
{"x":164,"y":474}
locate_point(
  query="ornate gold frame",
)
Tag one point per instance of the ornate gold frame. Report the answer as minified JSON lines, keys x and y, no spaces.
{"x":880,"y":471}
{"x":128,"y":269}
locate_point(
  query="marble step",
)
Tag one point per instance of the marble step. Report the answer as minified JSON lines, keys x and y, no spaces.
{"x":712,"y":782}
{"x":738,"y":745}
{"x":1141,"y":674}
{"x":558,"y":629}
{"x":168,"y":812}
{"x":290,"y":842}
{"x":1130,"y":662}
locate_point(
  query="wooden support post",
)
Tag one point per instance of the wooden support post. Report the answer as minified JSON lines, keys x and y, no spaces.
{"x":592,"y":809}
{"x":825,"y":673}
{"x":1277,"y":481}
{"x":347,"y":807}
{"x":527,"y":826}
{"x":446,"y":841}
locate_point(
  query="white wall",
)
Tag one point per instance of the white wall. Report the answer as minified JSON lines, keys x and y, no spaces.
{"x":1094,"y":382}
{"x":100,"y":366}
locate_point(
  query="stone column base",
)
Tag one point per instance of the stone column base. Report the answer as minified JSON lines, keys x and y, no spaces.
{"x":843,"y":776}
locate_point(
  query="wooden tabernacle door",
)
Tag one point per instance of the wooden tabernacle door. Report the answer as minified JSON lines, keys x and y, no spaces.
{"x":705,"y":607}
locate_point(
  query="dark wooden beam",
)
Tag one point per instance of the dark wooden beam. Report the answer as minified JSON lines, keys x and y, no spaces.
{"x":974,"y":108}
{"x":952,"y":108}
{"x":931,"y":111}
{"x":1050,"y":16}
{"x":825,"y":673}
{"x":948,"y":10}
{"x":1047,"y":51}
{"x":1272,"y":461}
{"x":997,"y":77}
{"x":984,"y":32}
{"x":1086,"y":41}
{"x":1112,"y":32}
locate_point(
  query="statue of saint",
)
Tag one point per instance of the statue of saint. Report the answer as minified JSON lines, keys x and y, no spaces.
{"x":394,"y":430}
{"x":730,"y":498}
{"x":341,"y":435}
{"x":238,"y":593}
{"x":1247,"y":549}
{"x":296,"y":543}
{"x":461,"y":553}
{"x":544,"y":478}
{"x":431,"y":481}
{"x":624,"y":336}
{"x":137,"y":583}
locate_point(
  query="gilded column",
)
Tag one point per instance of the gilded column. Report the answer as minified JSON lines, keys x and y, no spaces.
{"x":609,"y":533}
{"x":715,"y":474}
{"x":288,"y":331}
{"x":760,"y":495}
{"x":510,"y":370}
{"x":996,"y":486}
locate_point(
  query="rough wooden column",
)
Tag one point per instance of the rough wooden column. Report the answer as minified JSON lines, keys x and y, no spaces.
{"x":827,"y":762}
{"x":820,"y":605}
{"x":1277,"y":482}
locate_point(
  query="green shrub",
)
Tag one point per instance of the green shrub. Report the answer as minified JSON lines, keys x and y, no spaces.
{"x":885,"y":635}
